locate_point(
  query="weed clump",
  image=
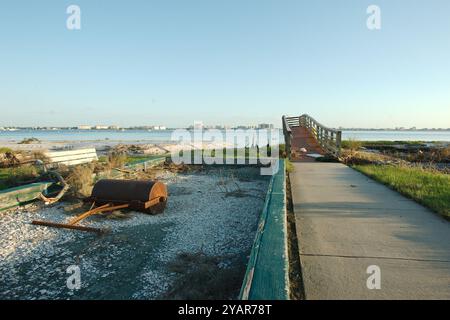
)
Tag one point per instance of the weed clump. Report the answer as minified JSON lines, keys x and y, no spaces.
{"x":81,"y":180}
{"x":29,"y":141}
{"x":352,"y":144}
{"x":117,"y":159}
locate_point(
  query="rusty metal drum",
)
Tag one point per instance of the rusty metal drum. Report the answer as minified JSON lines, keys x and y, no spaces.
{"x":142,"y":195}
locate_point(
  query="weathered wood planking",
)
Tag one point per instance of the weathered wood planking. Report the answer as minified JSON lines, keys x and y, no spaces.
{"x":72,"y":157}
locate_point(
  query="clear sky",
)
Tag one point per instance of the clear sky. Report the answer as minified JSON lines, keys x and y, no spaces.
{"x":225,"y":62}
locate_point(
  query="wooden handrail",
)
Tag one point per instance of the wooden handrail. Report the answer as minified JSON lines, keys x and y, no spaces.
{"x":329,"y":139}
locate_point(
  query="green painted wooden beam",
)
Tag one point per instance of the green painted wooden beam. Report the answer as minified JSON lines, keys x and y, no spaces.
{"x":13,"y":197}
{"x":267,"y":271}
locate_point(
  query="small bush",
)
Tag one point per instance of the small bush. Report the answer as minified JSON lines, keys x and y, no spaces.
{"x":117,"y":159}
{"x":444,"y":155}
{"x":80,"y":179}
{"x":352,"y":144}
{"x":30,"y":141}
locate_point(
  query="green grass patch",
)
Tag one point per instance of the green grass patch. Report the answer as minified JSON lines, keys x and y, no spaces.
{"x":347,"y":144}
{"x":429,"y":188}
{"x":5,"y":150}
{"x":13,"y":177}
{"x":141,"y":158}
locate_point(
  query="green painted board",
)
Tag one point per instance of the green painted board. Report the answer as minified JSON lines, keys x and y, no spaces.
{"x":13,"y":197}
{"x":141,"y":165}
{"x":267,"y":271}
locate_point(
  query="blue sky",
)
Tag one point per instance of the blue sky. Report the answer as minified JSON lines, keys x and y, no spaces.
{"x":225,"y":62}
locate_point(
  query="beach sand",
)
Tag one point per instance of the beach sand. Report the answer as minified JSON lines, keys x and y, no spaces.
{"x":103,"y":146}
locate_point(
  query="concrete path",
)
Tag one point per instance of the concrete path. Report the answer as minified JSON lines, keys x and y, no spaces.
{"x":346,"y":222}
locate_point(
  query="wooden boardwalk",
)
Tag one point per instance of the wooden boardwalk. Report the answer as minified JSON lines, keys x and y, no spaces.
{"x":302,"y":138}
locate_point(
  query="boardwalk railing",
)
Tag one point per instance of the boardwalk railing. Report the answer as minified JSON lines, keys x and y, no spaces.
{"x":287,"y":132}
{"x":329,"y":139}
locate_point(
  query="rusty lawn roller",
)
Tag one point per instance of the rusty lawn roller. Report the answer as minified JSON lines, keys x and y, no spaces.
{"x":142,"y":195}
{"x":108,"y":195}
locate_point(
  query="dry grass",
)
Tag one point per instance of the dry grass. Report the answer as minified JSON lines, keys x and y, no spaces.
{"x":80,"y":179}
{"x":444,"y":153}
{"x":363,"y":157}
{"x":352,"y":145}
{"x":117,"y":159}
{"x":229,"y":186}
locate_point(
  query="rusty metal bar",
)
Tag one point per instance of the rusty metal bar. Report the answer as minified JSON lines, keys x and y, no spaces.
{"x":87,"y":214}
{"x":73,"y":223}
{"x":67,"y":226}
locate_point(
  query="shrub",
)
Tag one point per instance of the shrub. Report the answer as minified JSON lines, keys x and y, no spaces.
{"x":117,"y":159}
{"x":352,"y":144}
{"x":80,"y":179}
{"x":29,"y":141}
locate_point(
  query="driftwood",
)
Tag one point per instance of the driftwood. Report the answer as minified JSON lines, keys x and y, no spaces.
{"x":16,"y":158}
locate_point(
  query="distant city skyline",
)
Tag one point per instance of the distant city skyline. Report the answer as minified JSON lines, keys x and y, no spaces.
{"x":206,"y":126}
{"x":225,"y":62}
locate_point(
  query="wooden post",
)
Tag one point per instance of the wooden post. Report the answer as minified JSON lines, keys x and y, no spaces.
{"x":338,"y":142}
{"x":320,"y":135}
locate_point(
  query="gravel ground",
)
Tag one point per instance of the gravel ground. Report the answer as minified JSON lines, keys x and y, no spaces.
{"x":214,"y":211}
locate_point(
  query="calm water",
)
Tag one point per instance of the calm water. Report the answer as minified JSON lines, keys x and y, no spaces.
{"x":397,"y":135}
{"x":87,"y":135}
{"x":165,"y":136}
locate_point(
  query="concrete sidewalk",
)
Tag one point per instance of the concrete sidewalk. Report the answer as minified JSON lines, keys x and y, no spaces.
{"x":347,"y":222}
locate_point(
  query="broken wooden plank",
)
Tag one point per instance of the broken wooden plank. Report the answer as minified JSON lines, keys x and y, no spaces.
{"x":13,"y":197}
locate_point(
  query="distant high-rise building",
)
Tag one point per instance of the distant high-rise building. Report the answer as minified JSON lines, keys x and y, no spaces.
{"x":159,"y":128}
{"x":198,"y":125}
{"x":101,"y":127}
{"x":265,"y":126}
